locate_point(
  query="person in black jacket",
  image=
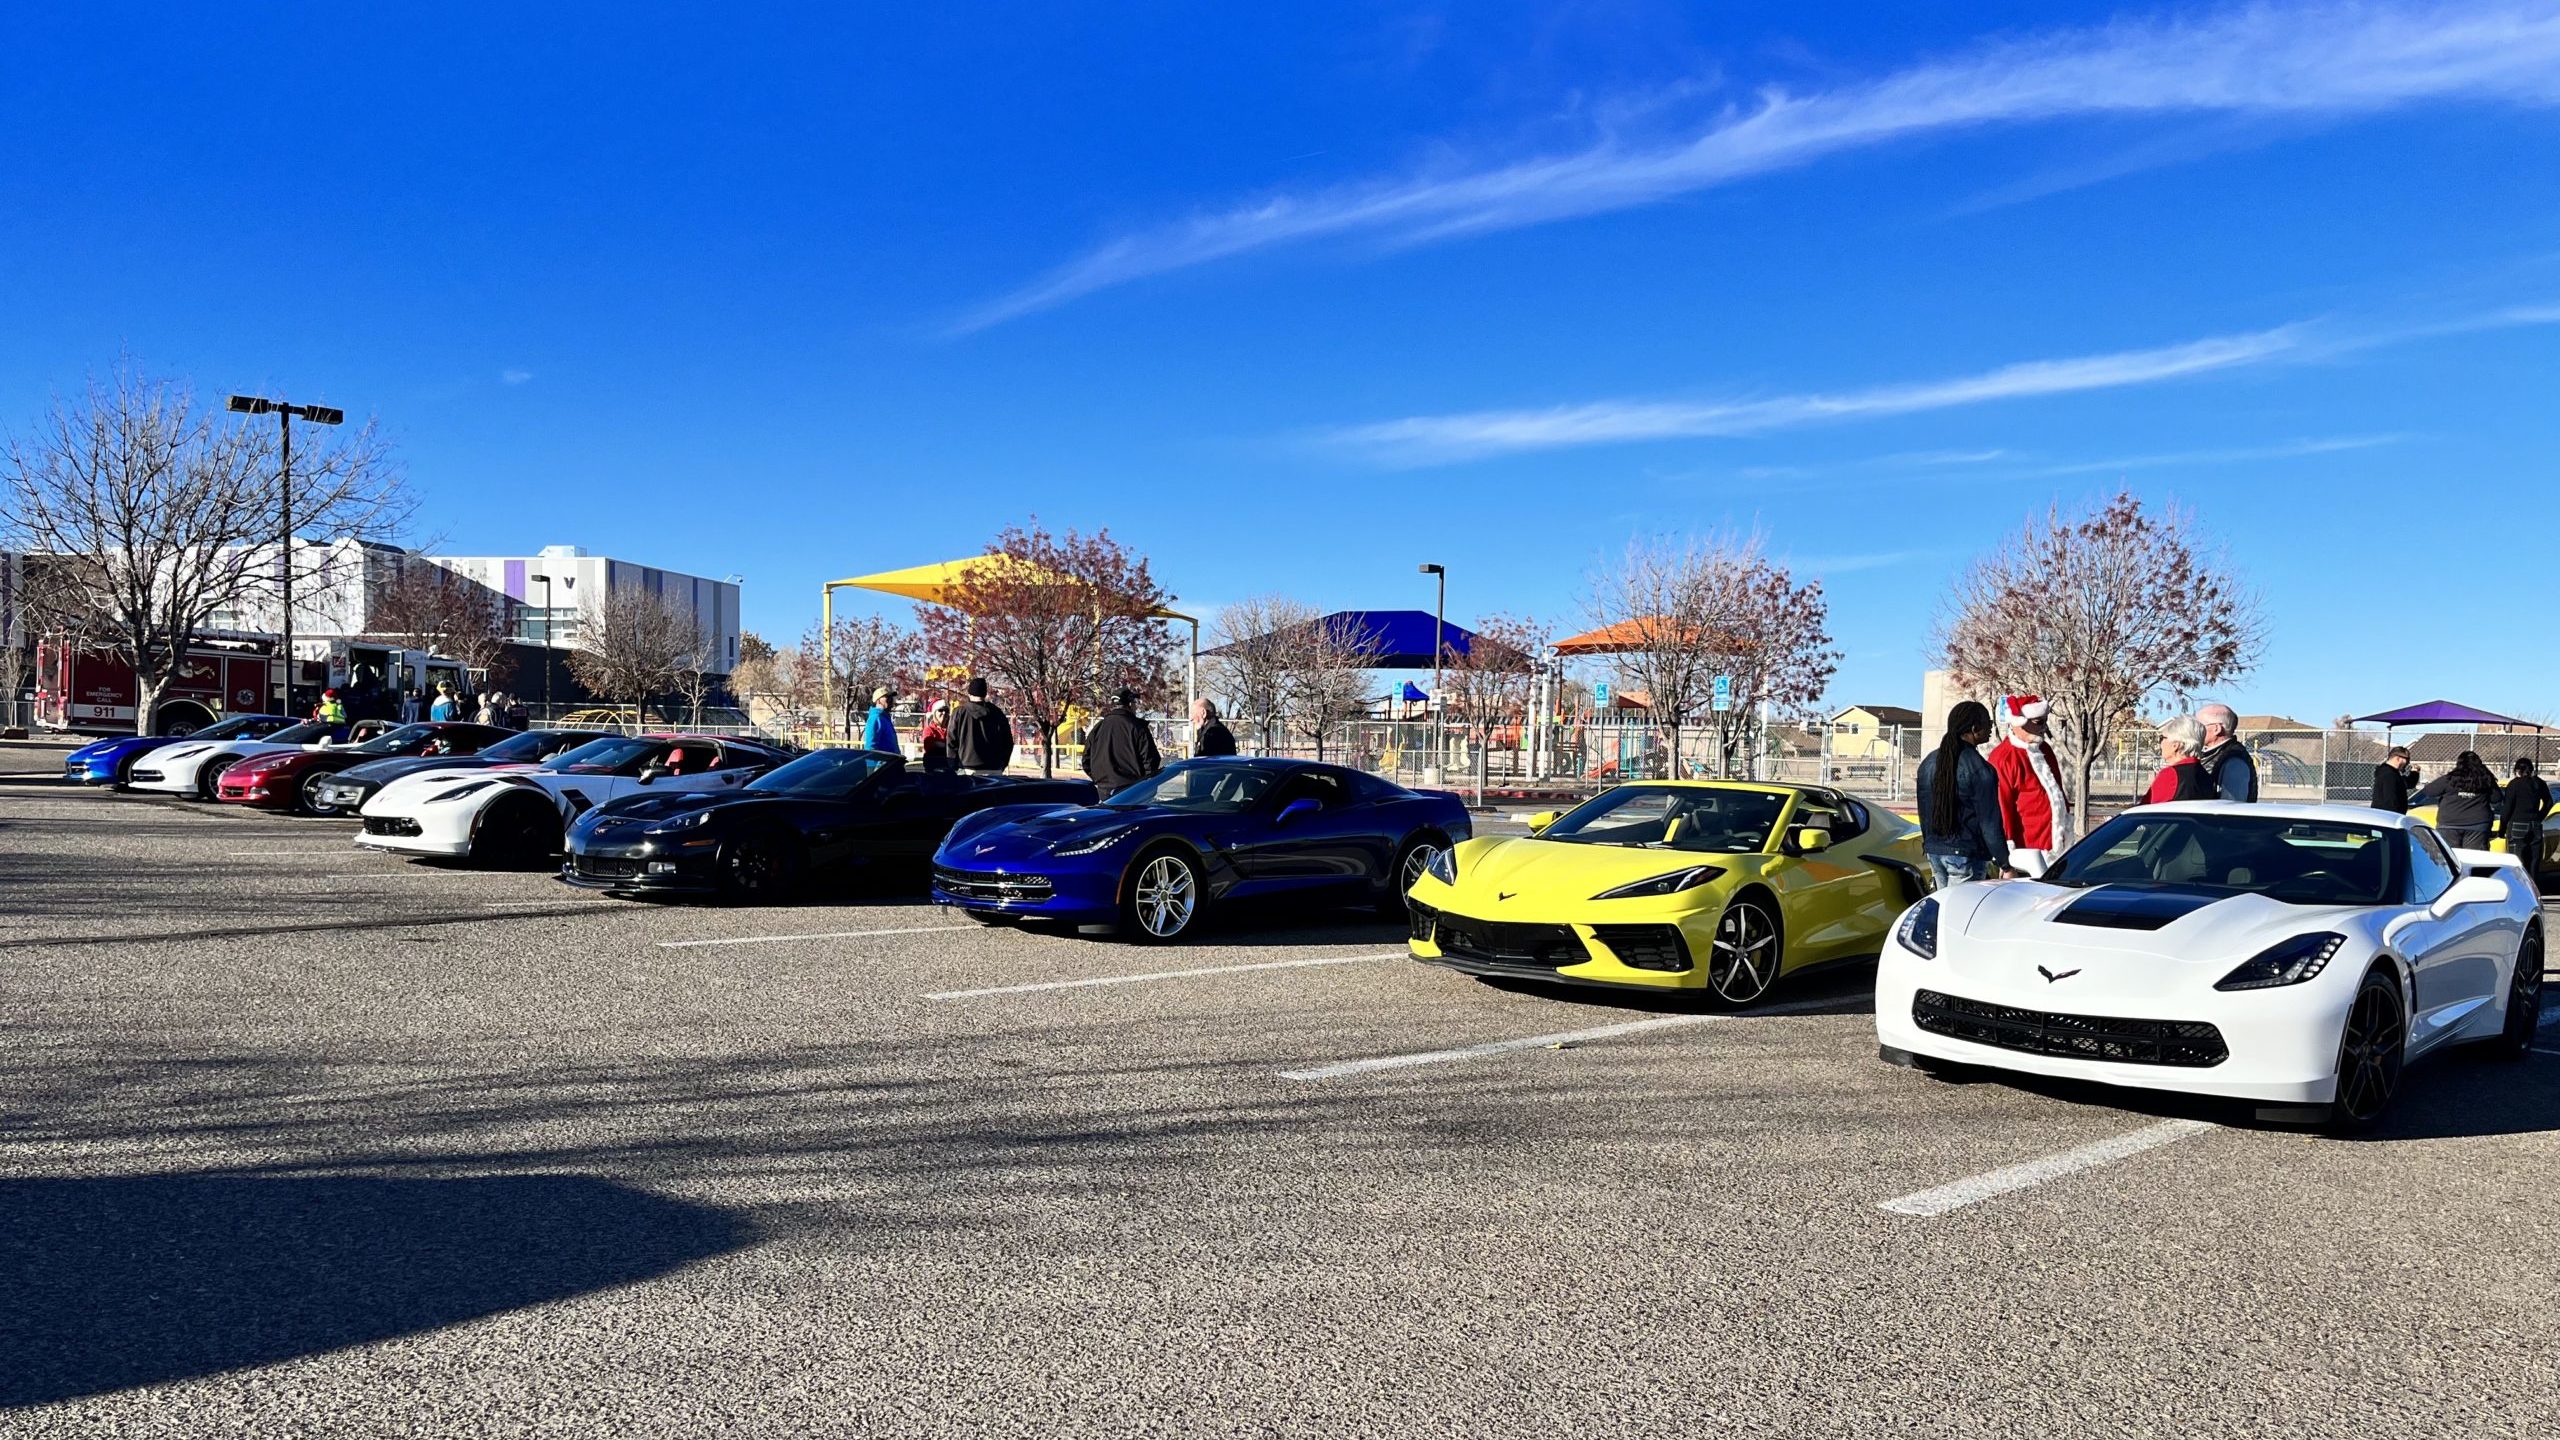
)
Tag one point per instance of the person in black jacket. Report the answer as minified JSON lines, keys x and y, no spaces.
{"x":2391,"y":782}
{"x":2526,"y":801}
{"x":2465,"y":797}
{"x":1209,"y":734}
{"x":1960,"y":802}
{"x":1120,"y":751}
{"x":981,"y":736}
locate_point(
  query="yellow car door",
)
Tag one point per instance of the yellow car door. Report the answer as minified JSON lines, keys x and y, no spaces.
{"x":1833,"y":902}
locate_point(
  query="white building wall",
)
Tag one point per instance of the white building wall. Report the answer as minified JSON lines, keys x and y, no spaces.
{"x":579,"y":583}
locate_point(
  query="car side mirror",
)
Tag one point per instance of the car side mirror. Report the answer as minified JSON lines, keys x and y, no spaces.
{"x":1543,"y":819}
{"x":2469,"y":890}
{"x":1295,"y":811}
{"x":1809,"y":838}
{"x":654,"y":772}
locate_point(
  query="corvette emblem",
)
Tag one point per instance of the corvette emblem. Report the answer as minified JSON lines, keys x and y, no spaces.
{"x":1504,"y":894}
{"x":2051,"y":976}
{"x":983,"y":849}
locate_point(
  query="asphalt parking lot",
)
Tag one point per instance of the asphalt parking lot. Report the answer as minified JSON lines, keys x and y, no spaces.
{"x":300,"y":1140}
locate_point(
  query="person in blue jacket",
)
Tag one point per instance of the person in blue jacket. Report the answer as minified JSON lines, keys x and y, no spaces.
{"x":882,"y":733}
{"x":1960,"y":802}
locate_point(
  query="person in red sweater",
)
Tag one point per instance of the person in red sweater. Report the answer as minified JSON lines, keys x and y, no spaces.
{"x":2182,"y":776}
{"x":2035,"y":812}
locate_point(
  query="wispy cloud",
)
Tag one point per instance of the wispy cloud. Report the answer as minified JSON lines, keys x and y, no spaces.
{"x":2238,"y":455}
{"x":2312,"y":63}
{"x":514,"y":377}
{"x":1432,"y":439}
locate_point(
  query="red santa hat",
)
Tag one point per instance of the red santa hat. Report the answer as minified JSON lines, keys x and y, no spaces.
{"x":2017,"y":710}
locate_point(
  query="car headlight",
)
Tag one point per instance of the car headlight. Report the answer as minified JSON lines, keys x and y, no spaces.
{"x":1918,"y":932}
{"x":1095,"y":844}
{"x":2289,"y":963}
{"x":1443,"y":866}
{"x":1661,"y":885}
{"x":694,"y":821}
{"x":459,"y":791}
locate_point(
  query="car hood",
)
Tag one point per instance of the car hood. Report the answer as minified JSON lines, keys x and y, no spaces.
{"x":2133,"y":941}
{"x":1035,"y":833}
{"x":118,"y":747}
{"x":394,"y":767}
{"x":1564,"y":868}
{"x":667,"y":806}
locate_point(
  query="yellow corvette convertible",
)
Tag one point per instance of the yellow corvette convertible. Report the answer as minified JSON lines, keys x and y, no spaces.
{"x":1718,"y":886}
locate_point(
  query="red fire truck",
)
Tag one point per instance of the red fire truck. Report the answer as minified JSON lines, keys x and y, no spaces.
{"x":93,"y":693}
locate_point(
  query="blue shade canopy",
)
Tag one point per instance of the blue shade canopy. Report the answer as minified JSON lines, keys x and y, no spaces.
{"x":1392,"y":639}
{"x":1413,"y":693}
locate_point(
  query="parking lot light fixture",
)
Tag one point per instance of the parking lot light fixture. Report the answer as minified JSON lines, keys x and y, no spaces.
{"x":285,"y":414}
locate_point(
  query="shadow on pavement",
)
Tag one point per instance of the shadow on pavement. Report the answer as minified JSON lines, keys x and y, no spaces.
{"x":111,"y":1283}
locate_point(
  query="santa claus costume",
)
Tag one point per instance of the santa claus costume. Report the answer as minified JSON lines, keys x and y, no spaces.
{"x":2034,"y":811}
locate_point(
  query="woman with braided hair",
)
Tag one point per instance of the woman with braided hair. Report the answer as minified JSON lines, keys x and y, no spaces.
{"x":1960,"y":801}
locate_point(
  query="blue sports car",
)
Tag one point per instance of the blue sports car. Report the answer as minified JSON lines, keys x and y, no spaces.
{"x":1155,"y":858}
{"x":105,"y":762}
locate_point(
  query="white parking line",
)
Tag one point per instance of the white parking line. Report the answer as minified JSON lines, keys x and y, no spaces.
{"x":1143,"y":977}
{"x":1340,"y":1068}
{"x":1975,"y":1189}
{"x":824,"y":935}
{"x":288,"y":854}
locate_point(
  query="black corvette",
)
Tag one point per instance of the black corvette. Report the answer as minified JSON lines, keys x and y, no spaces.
{"x":838,"y":813}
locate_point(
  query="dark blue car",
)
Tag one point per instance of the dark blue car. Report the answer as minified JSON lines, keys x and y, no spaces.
{"x":107,"y":762}
{"x":1156,"y":858}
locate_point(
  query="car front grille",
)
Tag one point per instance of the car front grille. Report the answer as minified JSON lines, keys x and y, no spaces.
{"x":148,"y":777}
{"x":996,"y":889}
{"x":607,"y":867}
{"x":1548,"y":947}
{"x":1420,"y":917}
{"x":390,"y":825}
{"x":2191,"y":1044}
{"x":1645,"y":947}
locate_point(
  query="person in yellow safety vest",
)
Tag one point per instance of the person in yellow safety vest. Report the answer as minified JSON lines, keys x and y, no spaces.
{"x":332,"y":711}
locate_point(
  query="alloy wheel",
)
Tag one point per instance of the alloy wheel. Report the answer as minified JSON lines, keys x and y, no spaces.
{"x":2369,"y":1055}
{"x":751,"y":867}
{"x":1416,"y":861}
{"x":1167,"y":896}
{"x":2524,"y":997}
{"x":1742,"y":962}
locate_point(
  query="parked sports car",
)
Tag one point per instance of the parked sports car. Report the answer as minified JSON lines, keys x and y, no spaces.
{"x":1711,"y":885}
{"x":283,"y":781}
{"x":519,"y":816}
{"x":345,"y":792}
{"x":108,"y":762}
{"x":835,"y":813}
{"x":1155,"y":858}
{"x":2292,"y":956}
{"x":2549,"y":859}
{"x":194,"y":766}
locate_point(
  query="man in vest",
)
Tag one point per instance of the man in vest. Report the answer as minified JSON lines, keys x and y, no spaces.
{"x":2035,"y":810}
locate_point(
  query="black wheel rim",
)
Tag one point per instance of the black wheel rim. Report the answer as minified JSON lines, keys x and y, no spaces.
{"x":750,"y":867}
{"x":2369,"y":1058}
{"x":2524,"y":988}
{"x":1743,"y":961}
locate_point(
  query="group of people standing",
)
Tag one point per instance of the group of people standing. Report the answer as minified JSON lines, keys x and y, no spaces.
{"x":2469,"y":801}
{"x":2008,"y":813}
{"x":976,"y":738}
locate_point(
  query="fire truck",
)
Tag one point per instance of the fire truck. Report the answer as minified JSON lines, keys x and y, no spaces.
{"x":91,"y":692}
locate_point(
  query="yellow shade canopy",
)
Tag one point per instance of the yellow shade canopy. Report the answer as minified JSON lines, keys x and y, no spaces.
{"x":934,"y":584}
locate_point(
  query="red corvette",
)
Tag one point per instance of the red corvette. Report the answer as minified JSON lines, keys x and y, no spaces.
{"x":282,"y":781}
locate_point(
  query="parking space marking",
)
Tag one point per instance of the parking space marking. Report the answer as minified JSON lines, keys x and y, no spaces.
{"x":1145,"y":976}
{"x":824,"y":935}
{"x":1974,"y":1189}
{"x":284,"y":854}
{"x":1340,"y":1068}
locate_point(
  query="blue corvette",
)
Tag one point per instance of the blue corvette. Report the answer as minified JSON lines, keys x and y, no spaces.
{"x":1154,"y":859}
{"x":105,"y":762}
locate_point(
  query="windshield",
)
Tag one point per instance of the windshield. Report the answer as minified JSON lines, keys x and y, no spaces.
{"x":531,"y":745}
{"x":397,"y":742}
{"x":1210,"y":788}
{"x":597,"y":757}
{"x":309,"y":732}
{"x":824,"y":773}
{"x":2301,"y":862}
{"x":240,"y":725}
{"x":1673,"y":817}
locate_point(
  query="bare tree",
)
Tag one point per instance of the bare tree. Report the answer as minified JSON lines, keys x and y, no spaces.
{"x":1659,"y":604}
{"x":1324,"y":677}
{"x":2100,"y":613}
{"x":636,"y":644}
{"x":1249,"y":663}
{"x":1771,"y":638}
{"x":1059,"y":620}
{"x":869,"y":652}
{"x":1490,"y":686}
{"x":153,"y":514}
{"x":425,"y":606}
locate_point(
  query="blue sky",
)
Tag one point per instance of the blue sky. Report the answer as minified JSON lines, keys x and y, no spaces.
{"x":1294,"y":300}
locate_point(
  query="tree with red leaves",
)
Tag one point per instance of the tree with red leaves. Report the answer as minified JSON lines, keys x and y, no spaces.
{"x":2100,"y":613}
{"x":1053,"y":621}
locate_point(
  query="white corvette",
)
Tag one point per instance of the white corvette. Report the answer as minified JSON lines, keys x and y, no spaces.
{"x":2293,"y":956}
{"x":192,"y":768}
{"x":518,"y":815}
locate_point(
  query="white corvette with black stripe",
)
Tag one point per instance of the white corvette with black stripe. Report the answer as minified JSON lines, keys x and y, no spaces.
{"x":518,"y":816}
{"x":2291,"y":956}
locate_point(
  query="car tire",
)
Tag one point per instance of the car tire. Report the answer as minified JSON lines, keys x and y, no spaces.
{"x":1416,"y":855}
{"x":303,"y":804}
{"x":1746,"y":953}
{"x":1164,"y":900}
{"x":209,"y":776}
{"x":2371,"y":1049}
{"x":124,"y":775}
{"x":757,"y":868}
{"x":517,"y":832}
{"x":2524,"y":999}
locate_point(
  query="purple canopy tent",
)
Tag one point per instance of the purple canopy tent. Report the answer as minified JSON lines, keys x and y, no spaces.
{"x":2439,"y":712}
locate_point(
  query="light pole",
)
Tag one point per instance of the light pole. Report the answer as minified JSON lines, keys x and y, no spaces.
{"x":1439,"y":644}
{"x":545,"y":582}
{"x":285,"y":413}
